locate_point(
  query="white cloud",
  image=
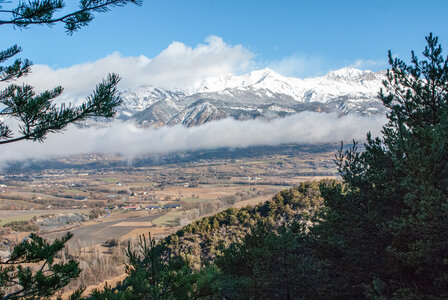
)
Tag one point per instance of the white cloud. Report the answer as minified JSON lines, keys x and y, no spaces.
{"x":130,"y":141}
{"x":178,"y":66}
{"x":369,"y":64}
{"x":300,"y":65}
{"x":304,"y":65}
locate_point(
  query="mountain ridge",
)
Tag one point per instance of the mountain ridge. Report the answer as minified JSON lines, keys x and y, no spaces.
{"x":258,"y":94}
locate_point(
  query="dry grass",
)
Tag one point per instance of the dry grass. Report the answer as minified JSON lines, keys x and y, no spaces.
{"x":208,"y":192}
{"x":197,"y":199}
{"x":169,"y":219}
{"x":253,"y":201}
{"x":134,"y":224}
{"x":129,"y":214}
{"x":19,"y":204}
{"x":110,"y":282}
{"x":153,"y":230}
{"x":7,"y":216}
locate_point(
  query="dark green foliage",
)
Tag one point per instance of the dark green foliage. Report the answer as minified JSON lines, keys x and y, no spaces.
{"x":42,"y":276}
{"x":40,"y":116}
{"x":152,"y":275}
{"x":201,"y":240}
{"x":270,"y":264}
{"x":44,"y":12}
{"x":18,"y":69}
{"x":416,"y":139}
{"x":384,"y":233}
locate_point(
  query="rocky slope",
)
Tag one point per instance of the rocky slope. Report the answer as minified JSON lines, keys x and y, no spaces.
{"x":262,"y":93}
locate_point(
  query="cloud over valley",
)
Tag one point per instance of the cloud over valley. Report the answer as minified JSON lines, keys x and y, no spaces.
{"x":180,"y":67}
{"x":132,"y":142}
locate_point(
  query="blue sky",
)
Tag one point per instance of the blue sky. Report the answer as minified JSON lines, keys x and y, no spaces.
{"x":321,"y":35}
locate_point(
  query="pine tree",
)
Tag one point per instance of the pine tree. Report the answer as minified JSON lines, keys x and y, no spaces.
{"x":31,"y":271}
{"x":383,"y":232}
{"x":51,"y":12}
{"x":154,"y":274}
{"x":37,"y":115}
{"x":270,"y":263}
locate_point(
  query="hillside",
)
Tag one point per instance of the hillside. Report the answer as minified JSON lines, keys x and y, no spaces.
{"x":201,"y":240}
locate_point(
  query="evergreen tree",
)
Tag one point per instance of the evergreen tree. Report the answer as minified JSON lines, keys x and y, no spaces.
{"x":383,"y":232}
{"x":31,"y":271}
{"x":42,"y":276}
{"x":270,"y":264}
{"x":51,"y":12}
{"x":154,"y":275}
{"x":37,"y":115}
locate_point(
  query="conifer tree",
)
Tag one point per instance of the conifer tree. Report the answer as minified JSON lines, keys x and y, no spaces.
{"x":270,"y":263}
{"x":42,"y":275}
{"x":31,"y":271}
{"x":154,"y":274}
{"x":383,"y":232}
{"x":36,"y":114}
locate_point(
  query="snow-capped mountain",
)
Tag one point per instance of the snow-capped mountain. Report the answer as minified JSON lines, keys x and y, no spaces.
{"x":262,"y":93}
{"x":198,"y":113}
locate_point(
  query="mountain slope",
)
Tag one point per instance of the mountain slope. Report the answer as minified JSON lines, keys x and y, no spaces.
{"x":208,"y":236}
{"x":262,"y":93}
{"x":158,"y":114}
{"x":198,"y":113}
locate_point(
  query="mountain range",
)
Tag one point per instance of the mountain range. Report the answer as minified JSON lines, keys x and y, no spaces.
{"x":258,"y":94}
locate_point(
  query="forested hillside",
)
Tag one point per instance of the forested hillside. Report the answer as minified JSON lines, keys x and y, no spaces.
{"x":203,"y":239}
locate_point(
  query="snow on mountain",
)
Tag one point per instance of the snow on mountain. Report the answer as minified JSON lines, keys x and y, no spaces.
{"x":198,"y":113}
{"x":158,"y":114}
{"x":139,"y":99}
{"x":256,"y":94}
{"x":335,"y":83}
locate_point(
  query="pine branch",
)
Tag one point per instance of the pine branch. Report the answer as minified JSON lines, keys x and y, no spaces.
{"x":39,"y":116}
{"x":41,"y":13}
{"x":18,"y":69}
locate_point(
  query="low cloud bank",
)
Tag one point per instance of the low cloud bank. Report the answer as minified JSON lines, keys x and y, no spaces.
{"x":132,"y":142}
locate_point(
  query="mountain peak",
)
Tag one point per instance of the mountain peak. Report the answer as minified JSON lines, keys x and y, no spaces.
{"x":262,"y":72}
{"x":215,"y":84}
{"x":260,"y":75}
{"x":260,"y":93}
{"x":349,"y":74}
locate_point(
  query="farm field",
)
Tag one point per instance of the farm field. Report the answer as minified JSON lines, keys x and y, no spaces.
{"x":196,"y":184}
{"x":98,"y":232}
{"x":148,"y":197}
{"x":7,"y":216}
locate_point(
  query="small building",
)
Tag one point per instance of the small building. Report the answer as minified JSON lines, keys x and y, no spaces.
{"x":133,"y":207}
{"x":166,"y":206}
{"x":152,"y":207}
